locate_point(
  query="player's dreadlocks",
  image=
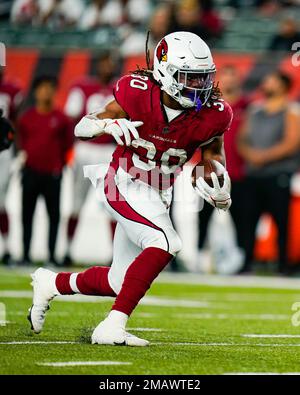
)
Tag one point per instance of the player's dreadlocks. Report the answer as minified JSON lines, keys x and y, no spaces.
{"x":147,"y":71}
{"x":215,"y":93}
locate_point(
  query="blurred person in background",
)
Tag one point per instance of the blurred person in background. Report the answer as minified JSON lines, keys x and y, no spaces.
{"x":159,"y":26}
{"x":56,"y":14}
{"x":138,"y":11}
{"x":86,"y":96}
{"x":268,"y":8}
{"x":197,"y":16}
{"x":45,"y":135}
{"x":210,"y":19}
{"x":92,"y":15}
{"x":186,"y":17}
{"x":230,"y":85}
{"x":6,"y":140}
{"x":270,"y":145}
{"x":59,"y":14}
{"x":10,"y":101}
{"x":25,"y":12}
{"x":115,"y":13}
{"x":287,"y":35}
{"x":5,"y":8}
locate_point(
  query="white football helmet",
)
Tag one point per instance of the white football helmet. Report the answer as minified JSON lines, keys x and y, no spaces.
{"x":184,"y":68}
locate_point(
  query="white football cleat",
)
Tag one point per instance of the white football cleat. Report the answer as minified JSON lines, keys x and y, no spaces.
{"x":44,"y":290}
{"x":107,"y":333}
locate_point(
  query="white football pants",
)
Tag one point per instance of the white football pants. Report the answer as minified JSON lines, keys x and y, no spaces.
{"x":142,"y":213}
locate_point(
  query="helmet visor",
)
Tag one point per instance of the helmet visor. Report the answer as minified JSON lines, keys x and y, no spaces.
{"x":196,"y":80}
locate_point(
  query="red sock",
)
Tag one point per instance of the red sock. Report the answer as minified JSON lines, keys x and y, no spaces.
{"x":4,"y":223}
{"x":72,"y":226}
{"x":113,"y":226}
{"x":93,"y":281}
{"x":139,"y":277}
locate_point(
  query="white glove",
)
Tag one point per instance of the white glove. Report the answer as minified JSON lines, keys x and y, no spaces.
{"x":122,"y":128}
{"x":90,"y":126}
{"x":217,"y":196}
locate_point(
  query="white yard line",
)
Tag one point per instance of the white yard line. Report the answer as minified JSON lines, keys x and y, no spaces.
{"x":188,"y":344}
{"x":146,"y":329}
{"x":83,"y":363}
{"x":226,"y":344}
{"x":205,"y":300}
{"x":202,"y":279}
{"x":146,"y":315}
{"x":222,"y":316}
{"x":19,"y":272}
{"x":279,"y":336}
{"x":156,"y":301}
{"x":58,"y":313}
{"x":261,"y":373}
{"x":245,"y":297}
{"x":194,"y":316}
{"x":17,"y":343}
{"x":146,"y":301}
{"x":232,"y":281}
{"x":15,"y":294}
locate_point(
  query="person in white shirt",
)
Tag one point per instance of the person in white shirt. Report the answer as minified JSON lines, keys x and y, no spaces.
{"x":114,"y":13}
{"x":53,"y":13}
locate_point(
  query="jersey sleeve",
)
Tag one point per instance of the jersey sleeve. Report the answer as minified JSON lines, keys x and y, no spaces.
{"x":224,"y":119}
{"x":132,"y":94}
{"x":216,"y":121}
{"x":120,"y":92}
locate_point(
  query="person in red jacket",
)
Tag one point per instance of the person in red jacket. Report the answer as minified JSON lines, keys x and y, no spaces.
{"x":46,"y":136}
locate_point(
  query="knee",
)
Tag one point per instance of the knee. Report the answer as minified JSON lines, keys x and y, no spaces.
{"x":174,"y":241}
{"x":167,"y":239}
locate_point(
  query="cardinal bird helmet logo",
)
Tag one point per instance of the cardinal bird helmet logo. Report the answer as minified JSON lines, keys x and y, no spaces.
{"x":162,"y":51}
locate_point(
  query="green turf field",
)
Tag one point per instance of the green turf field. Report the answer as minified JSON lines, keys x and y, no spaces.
{"x":193,"y":329}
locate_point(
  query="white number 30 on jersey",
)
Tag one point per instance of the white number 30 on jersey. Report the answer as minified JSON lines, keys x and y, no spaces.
{"x":139,"y":82}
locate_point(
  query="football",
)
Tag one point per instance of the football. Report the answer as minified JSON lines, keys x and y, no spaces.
{"x":204,"y":169}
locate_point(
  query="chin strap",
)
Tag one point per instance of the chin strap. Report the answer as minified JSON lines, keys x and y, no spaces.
{"x":198,"y":104}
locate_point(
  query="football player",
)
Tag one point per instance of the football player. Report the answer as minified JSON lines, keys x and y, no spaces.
{"x":158,"y":119}
{"x":6,"y":133}
{"x":10,"y":101}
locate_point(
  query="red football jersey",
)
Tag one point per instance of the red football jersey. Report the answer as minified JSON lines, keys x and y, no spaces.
{"x":163,"y":147}
{"x":46,"y":139}
{"x":10,"y":99}
{"x":87,"y":95}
